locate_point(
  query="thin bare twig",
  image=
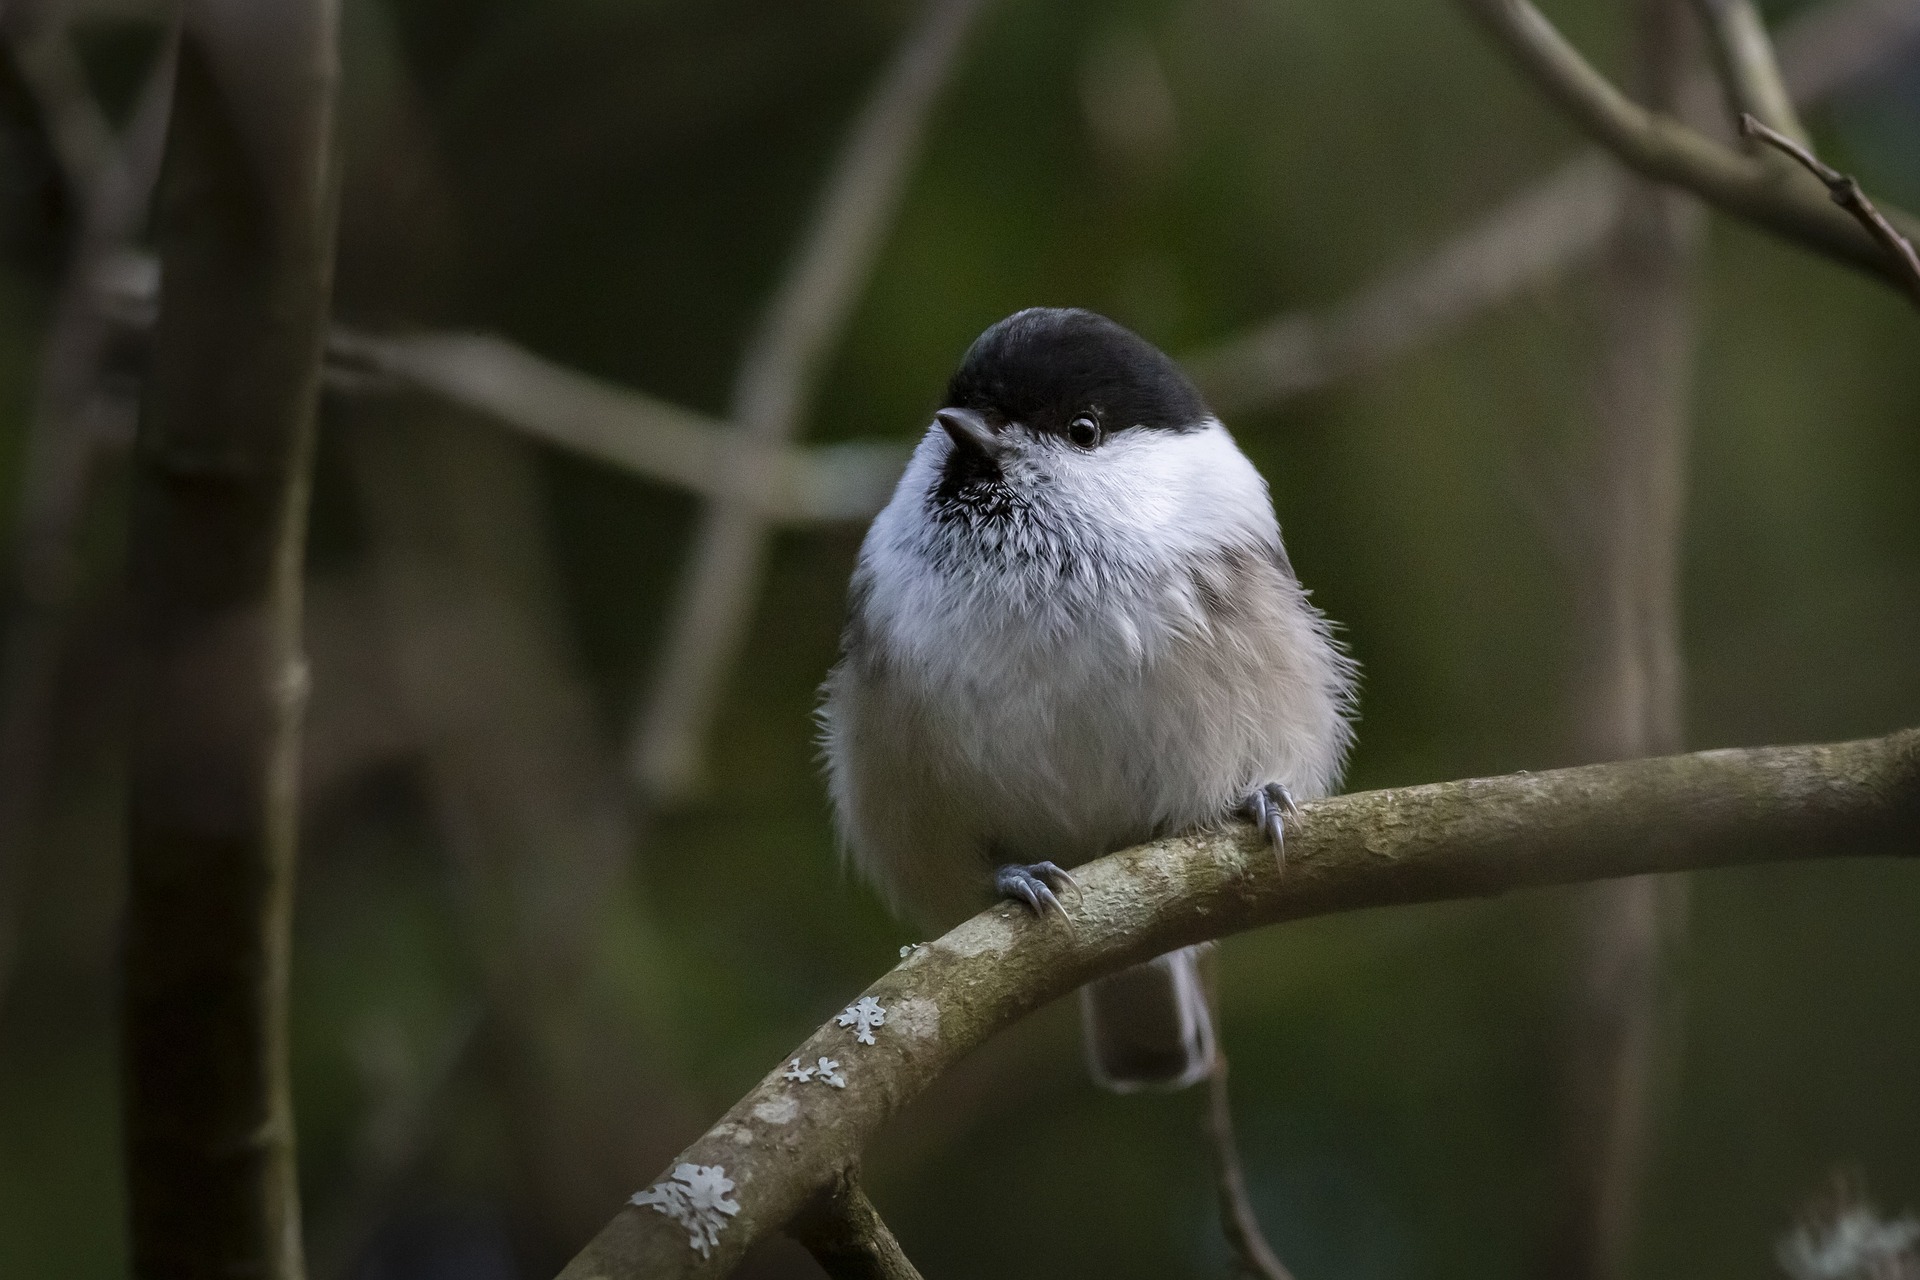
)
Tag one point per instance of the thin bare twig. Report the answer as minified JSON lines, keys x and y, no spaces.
{"x":1662,"y":148}
{"x":1524,"y":243}
{"x":771,"y":390}
{"x":74,"y":416}
{"x":846,"y":1235}
{"x":1847,"y":194}
{"x":627,"y":429}
{"x":1238,"y":1221}
{"x":1749,"y":72}
{"x":782,"y":1142}
{"x":77,"y":131}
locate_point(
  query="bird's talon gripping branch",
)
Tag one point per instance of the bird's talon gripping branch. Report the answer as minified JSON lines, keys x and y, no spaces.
{"x":1034,"y":885}
{"x":1056,"y":875}
{"x":1267,"y":807}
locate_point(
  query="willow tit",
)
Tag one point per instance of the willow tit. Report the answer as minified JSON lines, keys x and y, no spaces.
{"x":1071,"y":630}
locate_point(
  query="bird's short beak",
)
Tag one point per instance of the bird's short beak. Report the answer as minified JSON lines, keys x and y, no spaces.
{"x":970,"y":431}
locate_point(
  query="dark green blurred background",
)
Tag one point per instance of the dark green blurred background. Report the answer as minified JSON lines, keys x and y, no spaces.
{"x":616,"y":184}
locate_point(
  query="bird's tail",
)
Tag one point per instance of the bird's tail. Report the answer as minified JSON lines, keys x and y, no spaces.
{"x":1149,"y":1027}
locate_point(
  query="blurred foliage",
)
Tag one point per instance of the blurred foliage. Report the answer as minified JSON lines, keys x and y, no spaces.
{"x":620,"y":185}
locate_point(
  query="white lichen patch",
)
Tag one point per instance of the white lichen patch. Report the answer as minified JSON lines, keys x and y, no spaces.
{"x":737,"y":1133}
{"x":863,"y":1015}
{"x":695,"y":1197}
{"x":777,"y":1111}
{"x":915,"y":1017}
{"x":825,"y":1070}
{"x":910,"y":948}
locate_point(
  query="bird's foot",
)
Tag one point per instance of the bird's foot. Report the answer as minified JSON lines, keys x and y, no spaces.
{"x":1035,"y":885}
{"x":1267,"y":807}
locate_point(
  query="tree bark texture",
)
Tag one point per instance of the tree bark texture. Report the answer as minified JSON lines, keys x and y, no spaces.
{"x":217,"y":532}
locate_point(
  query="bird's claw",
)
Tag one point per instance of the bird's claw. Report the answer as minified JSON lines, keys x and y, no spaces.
{"x":1034,"y":884}
{"x":1267,"y":807}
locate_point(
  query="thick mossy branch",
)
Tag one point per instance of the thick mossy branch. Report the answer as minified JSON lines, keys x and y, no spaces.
{"x":790,"y":1137}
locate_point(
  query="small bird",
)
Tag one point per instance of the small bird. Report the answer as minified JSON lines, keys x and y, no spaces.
{"x":1073,"y":629}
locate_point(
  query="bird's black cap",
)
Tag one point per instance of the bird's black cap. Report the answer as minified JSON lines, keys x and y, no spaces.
{"x":1042,"y":366}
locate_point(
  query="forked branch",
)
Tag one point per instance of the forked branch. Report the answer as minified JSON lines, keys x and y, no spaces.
{"x":845,"y":1234}
{"x":1662,"y":148}
{"x":790,"y":1136}
{"x":1525,"y":242}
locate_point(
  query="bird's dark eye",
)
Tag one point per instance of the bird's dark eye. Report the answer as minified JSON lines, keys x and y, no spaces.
{"x":1084,"y":431}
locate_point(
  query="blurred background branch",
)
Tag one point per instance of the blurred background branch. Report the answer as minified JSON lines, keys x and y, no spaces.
{"x":771,"y":390}
{"x":627,"y":429}
{"x":1528,"y":241}
{"x":220,"y":496}
{"x":1664,"y":149}
{"x":1743,"y":54}
{"x":80,"y":410}
{"x":521,"y":788}
{"x":41,"y":42}
{"x":1627,"y":685}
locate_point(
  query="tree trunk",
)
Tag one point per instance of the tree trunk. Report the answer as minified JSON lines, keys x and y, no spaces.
{"x":219,"y":502}
{"x":1623,"y":1032}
